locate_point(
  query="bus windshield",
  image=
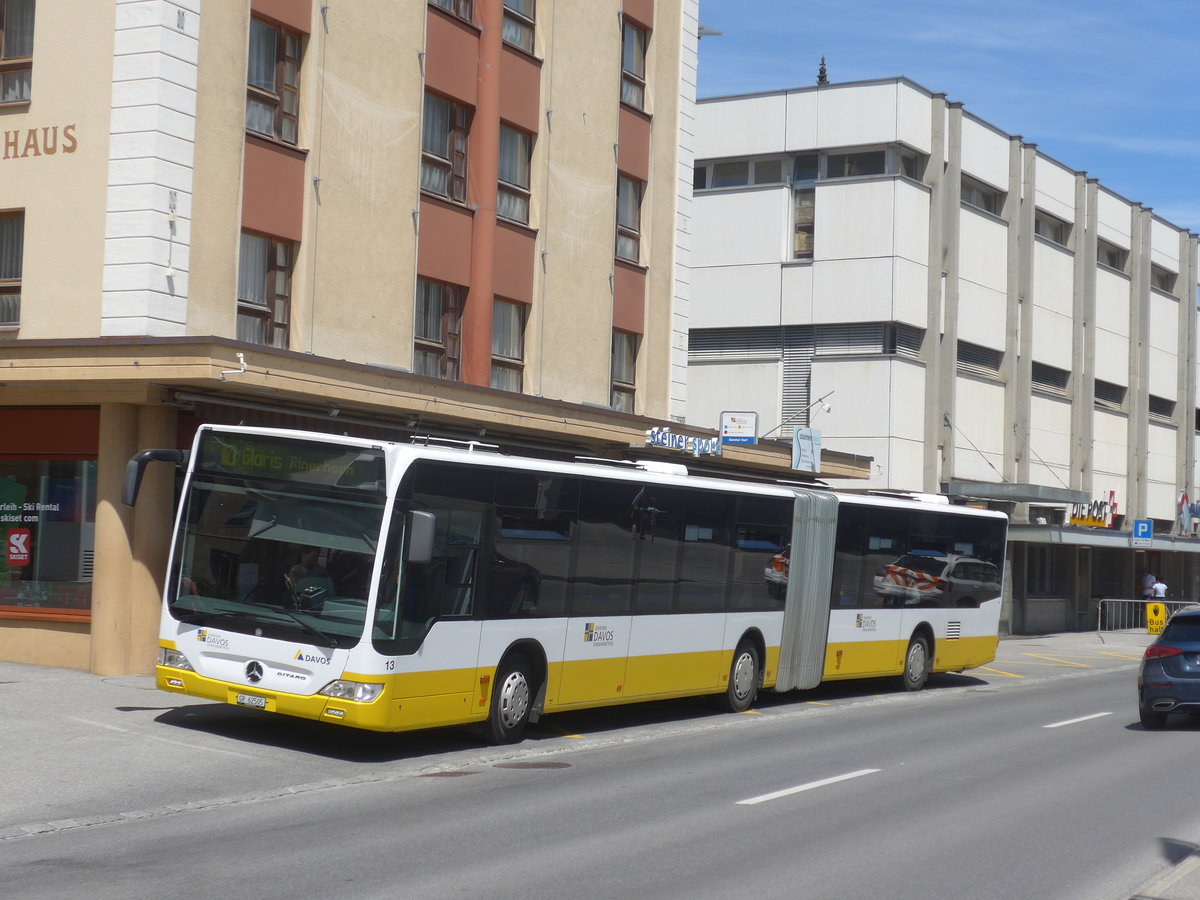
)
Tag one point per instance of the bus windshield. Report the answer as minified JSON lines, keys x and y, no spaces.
{"x":287,"y":557}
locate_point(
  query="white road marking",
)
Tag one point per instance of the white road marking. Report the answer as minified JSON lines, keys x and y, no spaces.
{"x":786,"y":792}
{"x":1080,"y":719}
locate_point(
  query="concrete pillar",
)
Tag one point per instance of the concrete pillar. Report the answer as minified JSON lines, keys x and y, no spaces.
{"x":153,"y":518}
{"x":111,"y":579}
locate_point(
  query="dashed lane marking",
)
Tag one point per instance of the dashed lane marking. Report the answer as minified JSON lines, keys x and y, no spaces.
{"x":787,"y":792}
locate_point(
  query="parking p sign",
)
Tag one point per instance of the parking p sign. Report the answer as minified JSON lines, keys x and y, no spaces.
{"x":1143,"y":531}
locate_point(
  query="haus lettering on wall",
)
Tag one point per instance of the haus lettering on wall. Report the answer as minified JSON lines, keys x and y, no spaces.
{"x":47,"y":140}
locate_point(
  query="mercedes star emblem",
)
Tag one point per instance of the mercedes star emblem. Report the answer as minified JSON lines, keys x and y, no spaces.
{"x":254,"y":671}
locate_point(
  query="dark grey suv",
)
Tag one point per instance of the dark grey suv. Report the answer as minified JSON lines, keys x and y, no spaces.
{"x":1169,"y":676}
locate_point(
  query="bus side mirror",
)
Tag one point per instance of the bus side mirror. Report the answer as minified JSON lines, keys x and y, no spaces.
{"x":421,"y":526}
{"x":136,"y":468}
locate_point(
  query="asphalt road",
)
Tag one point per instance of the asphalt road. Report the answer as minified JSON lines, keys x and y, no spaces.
{"x":1028,"y":779}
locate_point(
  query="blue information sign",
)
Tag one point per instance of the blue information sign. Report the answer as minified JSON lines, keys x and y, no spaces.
{"x":1143,"y":532}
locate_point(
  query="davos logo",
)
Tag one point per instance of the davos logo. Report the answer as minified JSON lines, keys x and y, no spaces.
{"x":594,"y":633}
{"x":314,"y":658}
{"x":204,"y":636}
{"x":865,"y":622}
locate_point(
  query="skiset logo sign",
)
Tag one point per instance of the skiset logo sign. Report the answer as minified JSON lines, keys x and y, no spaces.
{"x":18,"y":546}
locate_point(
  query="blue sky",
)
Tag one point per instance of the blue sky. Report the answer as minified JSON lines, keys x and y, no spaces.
{"x":1102,"y":86}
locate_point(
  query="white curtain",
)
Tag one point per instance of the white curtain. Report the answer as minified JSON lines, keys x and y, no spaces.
{"x":252,"y":269}
{"x":12,"y":241}
{"x":18,"y":29}
{"x":261,"y":71}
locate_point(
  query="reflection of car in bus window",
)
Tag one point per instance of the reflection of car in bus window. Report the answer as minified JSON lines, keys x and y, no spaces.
{"x":776,"y":572}
{"x":931,"y":578}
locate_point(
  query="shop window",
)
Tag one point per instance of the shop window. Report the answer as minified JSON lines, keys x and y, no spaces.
{"x":12,"y":245}
{"x":512,"y":193}
{"x":438,"y":330}
{"x":629,"y":218}
{"x":16,"y":50}
{"x":47,"y":522}
{"x":518,"y":24}
{"x":508,"y":345}
{"x":264,"y":290}
{"x":444,"y":148}
{"x":273,"y":82}
{"x":633,"y":66}
{"x":624,"y":369}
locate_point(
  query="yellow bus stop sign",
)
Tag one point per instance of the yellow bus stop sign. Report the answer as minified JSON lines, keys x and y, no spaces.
{"x":1156,"y":617}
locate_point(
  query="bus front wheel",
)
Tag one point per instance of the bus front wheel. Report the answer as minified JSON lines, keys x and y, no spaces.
{"x":512,"y":697}
{"x":916,"y":664}
{"x":743,"y":678}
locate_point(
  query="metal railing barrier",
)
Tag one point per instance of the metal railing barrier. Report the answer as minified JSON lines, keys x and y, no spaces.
{"x":1130,"y":615}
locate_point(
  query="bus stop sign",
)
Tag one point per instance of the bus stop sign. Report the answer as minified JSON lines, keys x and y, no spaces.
{"x":1156,"y":617}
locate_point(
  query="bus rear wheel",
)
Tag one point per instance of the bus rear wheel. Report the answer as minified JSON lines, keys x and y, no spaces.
{"x":916,"y":664}
{"x":743,"y":678}
{"x":512,"y":698}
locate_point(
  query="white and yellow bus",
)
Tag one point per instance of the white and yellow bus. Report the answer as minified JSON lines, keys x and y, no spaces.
{"x":392,"y":587}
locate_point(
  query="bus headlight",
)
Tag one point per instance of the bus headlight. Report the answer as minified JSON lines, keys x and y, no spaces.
{"x":352,"y":690}
{"x":174,"y":659}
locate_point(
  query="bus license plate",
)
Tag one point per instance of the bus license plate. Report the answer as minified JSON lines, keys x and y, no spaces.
{"x":252,"y":701}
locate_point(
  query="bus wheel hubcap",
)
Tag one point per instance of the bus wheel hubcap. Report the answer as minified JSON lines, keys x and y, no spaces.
{"x":743,"y":675}
{"x":514,"y":699}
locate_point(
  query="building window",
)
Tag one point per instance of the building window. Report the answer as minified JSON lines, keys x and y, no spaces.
{"x":12,"y":245}
{"x":1161,"y":409}
{"x":975,"y":359}
{"x":804,"y":203}
{"x":806,"y":167}
{"x":1050,"y":379}
{"x":264,"y":290}
{"x":508,"y":345}
{"x":851,"y":165}
{"x":438,"y":330}
{"x":1109,"y":395}
{"x":1052,"y":229}
{"x":980,"y":196}
{"x":444,"y":148}
{"x":273,"y":82}
{"x":16,"y":50}
{"x":731,"y":174}
{"x":1162,"y":279}
{"x":633,"y":66}
{"x":624,"y":368}
{"x":518,"y":24}
{"x":459,"y":8}
{"x":512,"y":196}
{"x":1111,"y":256}
{"x":629,"y":218}
{"x":699,"y":177}
{"x":909,"y":163}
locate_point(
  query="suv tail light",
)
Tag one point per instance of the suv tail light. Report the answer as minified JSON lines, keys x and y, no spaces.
{"x":1156,"y":651}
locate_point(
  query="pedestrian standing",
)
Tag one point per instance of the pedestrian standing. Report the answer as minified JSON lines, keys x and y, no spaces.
{"x":1148,"y":582}
{"x":1160,"y":590}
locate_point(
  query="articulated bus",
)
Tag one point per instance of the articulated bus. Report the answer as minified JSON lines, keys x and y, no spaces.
{"x":390,"y":586}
